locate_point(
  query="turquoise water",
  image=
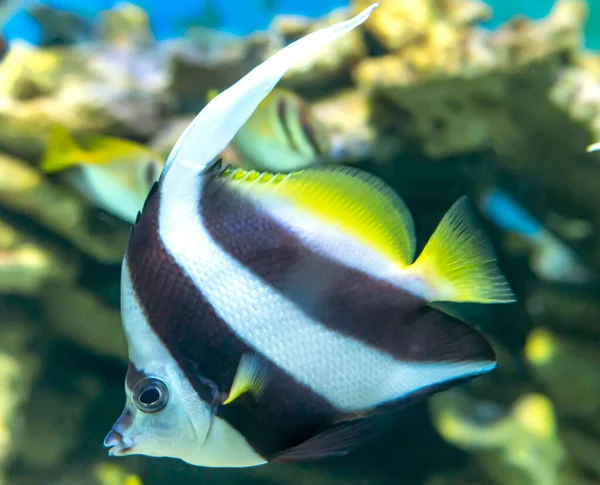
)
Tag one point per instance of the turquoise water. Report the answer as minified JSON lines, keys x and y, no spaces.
{"x":242,"y":16}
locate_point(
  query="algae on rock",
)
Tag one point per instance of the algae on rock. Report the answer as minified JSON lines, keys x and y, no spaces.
{"x":518,"y":446}
{"x":455,"y":81}
{"x":20,"y":364}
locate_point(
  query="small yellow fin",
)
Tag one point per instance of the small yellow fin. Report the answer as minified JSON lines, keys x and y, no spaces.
{"x":249,"y":377}
{"x":211,"y":94}
{"x":62,"y":151}
{"x":460,"y":263}
{"x":354,"y":201}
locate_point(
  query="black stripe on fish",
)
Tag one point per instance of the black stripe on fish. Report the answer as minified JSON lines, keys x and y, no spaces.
{"x":287,"y":414}
{"x":134,"y":375}
{"x":283,"y":116}
{"x":344,"y":299}
{"x":308,"y":129}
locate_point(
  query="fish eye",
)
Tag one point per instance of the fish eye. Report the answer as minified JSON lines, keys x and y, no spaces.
{"x":151,"y":394}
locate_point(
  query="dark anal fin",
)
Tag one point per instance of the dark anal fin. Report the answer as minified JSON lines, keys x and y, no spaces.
{"x":336,"y":441}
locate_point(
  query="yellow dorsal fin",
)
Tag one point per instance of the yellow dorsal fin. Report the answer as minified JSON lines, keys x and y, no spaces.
{"x":250,"y":377}
{"x":459,"y":263}
{"x":62,"y":151}
{"x":349,"y":199}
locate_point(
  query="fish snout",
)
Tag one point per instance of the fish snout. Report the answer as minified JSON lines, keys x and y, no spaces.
{"x":119,"y":445}
{"x":116,"y":439}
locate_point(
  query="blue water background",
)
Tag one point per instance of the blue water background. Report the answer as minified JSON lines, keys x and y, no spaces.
{"x":170,"y":18}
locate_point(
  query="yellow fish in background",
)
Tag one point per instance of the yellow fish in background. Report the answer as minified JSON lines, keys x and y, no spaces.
{"x":112,"y":173}
{"x":593,"y":147}
{"x":282,"y":135}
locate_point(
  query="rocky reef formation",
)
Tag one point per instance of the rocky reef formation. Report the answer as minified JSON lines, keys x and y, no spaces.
{"x":425,"y":97}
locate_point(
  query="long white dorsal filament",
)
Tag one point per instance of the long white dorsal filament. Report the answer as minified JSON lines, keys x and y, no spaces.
{"x":215,"y":126}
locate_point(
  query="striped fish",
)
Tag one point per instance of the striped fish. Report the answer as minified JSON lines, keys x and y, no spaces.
{"x":269,"y":316}
{"x":282,"y":135}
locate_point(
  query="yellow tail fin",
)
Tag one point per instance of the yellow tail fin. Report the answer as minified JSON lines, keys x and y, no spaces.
{"x":459,"y":262}
{"x":62,"y":151}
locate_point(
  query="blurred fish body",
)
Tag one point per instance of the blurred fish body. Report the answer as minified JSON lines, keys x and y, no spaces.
{"x":504,"y":211}
{"x":282,"y":135}
{"x":551,"y":259}
{"x":112,"y":173}
{"x":269,"y":316}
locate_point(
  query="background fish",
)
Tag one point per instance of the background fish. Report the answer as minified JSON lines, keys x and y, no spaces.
{"x":282,"y":135}
{"x":112,"y":173}
{"x":593,"y":147}
{"x":551,"y":258}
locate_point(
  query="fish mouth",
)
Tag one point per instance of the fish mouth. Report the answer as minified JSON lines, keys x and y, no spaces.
{"x":117,"y":444}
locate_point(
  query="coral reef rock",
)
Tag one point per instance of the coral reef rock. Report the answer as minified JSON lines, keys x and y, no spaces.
{"x":351,"y":138}
{"x":20,"y":363}
{"x":25,"y":191}
{"x":332,"y":63}
{"x":456,"y":81}
{"x":519,"y":445}
{"x":207,"y":60}
{"x":102,"y":332}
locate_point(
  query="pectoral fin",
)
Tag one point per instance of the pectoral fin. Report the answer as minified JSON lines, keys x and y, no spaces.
{"x":251,"y":376}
